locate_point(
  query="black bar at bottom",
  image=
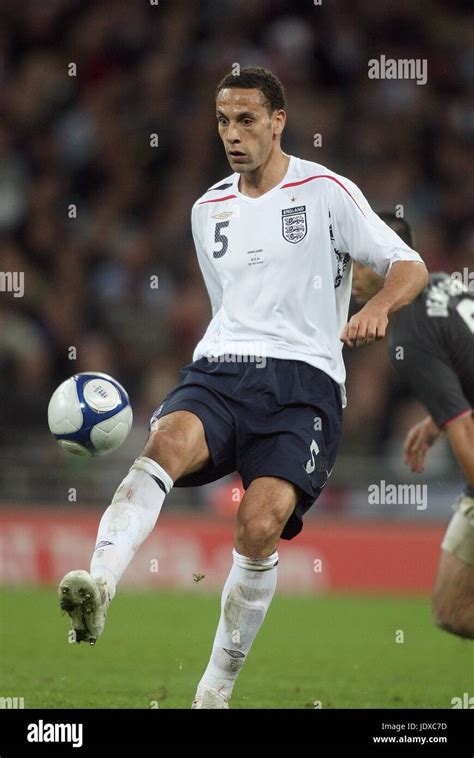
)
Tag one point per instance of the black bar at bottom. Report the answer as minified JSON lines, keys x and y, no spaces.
{"x":250,"y":732}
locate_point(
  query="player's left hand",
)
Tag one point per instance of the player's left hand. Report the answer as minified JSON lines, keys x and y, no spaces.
{"x":418,"y":441}
{"x":366,"y":326}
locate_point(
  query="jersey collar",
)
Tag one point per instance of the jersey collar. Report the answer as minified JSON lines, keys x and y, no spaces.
{"x":265,"y":194}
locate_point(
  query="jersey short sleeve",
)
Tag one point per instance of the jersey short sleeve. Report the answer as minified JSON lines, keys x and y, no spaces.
{"x":432,"y":380}
{"x":360,"y":232}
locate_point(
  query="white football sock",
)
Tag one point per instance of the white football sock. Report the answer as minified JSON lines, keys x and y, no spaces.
{"x":246,"y":597}
{"x":129,"y":520}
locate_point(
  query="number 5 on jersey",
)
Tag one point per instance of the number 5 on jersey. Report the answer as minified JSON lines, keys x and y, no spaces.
{"x":221,"y":238}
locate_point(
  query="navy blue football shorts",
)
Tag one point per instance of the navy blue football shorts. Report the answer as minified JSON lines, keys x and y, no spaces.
{"x":280,"y":418}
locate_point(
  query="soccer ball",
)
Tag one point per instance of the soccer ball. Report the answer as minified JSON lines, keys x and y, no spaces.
{"x":90,"y":414}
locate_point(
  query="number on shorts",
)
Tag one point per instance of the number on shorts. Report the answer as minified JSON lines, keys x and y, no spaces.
{"x":314,"y":450}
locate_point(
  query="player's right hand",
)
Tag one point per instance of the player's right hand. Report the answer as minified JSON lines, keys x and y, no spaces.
{"x":417,"y":443}
{"x":365,"y":327}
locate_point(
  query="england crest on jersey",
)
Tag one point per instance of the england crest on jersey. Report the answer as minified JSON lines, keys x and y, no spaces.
{"x":293,"y":223}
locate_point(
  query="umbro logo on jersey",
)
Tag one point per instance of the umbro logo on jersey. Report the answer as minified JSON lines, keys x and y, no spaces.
{"x":223,"y":215}
{"x":293,"y":223}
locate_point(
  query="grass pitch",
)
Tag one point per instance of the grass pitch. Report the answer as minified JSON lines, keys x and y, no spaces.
{"x":339,"y":650}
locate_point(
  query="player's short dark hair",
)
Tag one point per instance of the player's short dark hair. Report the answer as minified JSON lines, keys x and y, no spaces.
{"x":399,"y":226}
{"x":255,"y":77}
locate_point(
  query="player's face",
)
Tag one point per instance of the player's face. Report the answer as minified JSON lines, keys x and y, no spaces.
{"x":365,"y":283}
{"x":247,"y":129}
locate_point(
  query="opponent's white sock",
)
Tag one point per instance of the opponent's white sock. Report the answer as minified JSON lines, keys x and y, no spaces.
{"x":246,"y":597}
{"x":129,"y":520}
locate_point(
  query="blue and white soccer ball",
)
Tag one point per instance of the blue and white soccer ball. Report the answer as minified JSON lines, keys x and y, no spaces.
{"x":90,"y":414}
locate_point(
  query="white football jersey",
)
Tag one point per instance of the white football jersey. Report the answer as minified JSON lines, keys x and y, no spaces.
{"x":278,"y":268}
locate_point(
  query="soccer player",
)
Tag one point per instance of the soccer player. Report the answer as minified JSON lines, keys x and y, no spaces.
{"x":431,"y":344}
{"x":265,"y":391}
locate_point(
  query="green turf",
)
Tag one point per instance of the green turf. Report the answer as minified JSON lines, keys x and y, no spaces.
{"x":339,"y":650}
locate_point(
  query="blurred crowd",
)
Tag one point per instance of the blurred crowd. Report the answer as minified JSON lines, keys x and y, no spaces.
{"x":108,"y":136}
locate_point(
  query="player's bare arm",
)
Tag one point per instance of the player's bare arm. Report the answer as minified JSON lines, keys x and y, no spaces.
{"x":404,"y":282}
{"x":423,"y":435}
{"x":418,"y":441}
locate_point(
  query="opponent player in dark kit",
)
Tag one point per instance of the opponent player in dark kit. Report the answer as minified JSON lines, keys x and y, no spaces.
{"x":431,"y":344}
{"x":265,"y":391}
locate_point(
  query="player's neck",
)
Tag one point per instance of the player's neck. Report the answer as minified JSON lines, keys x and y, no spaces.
{"x":265,"y":177}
